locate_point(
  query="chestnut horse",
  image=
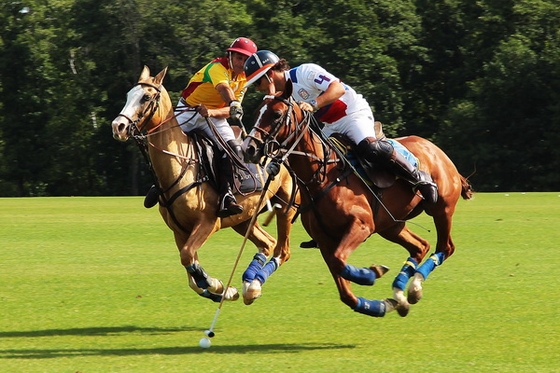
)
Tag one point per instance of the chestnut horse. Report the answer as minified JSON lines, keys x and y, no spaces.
{"x":340,"y":211}
{"x":189,"y":204}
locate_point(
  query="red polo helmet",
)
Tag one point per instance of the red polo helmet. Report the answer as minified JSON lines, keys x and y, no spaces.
{"x":243,"y":45}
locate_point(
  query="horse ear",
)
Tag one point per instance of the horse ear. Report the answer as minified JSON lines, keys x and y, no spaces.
{"x":288,"y":90}
{"x":158,"y":79}
{"x":145,"y":75}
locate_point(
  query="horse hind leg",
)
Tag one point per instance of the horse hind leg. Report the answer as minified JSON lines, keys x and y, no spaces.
{"x":417,"y":248}
{"x":444,"y":249}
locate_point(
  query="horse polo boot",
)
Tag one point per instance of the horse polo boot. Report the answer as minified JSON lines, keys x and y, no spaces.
{"x":228,"y":204}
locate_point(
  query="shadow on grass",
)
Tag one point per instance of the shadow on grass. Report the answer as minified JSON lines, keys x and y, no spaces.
{"x":184,"y":350}
{"x":93,"y":331}
{"x":31,"y":353}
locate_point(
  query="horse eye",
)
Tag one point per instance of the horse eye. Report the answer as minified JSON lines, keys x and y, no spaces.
{"x":277,"y":115}
{"x":146,"y":98}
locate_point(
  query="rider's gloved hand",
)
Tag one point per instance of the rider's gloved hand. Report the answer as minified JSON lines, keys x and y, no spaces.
{"x":273,"y":168}
{"x":235,"y":110}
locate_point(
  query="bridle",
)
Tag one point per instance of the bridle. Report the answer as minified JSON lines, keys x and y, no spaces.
{"x":269,"y":145}
{"x":287,"y":148}
{"x":145,"y":116}
{"x":308,"y":123}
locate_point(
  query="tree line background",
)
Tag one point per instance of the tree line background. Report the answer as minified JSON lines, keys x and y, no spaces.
{"x":480,"y":78}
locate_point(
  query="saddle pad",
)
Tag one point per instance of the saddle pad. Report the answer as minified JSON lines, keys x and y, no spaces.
{"x":404,"y":152}
{"x":249,"y":183}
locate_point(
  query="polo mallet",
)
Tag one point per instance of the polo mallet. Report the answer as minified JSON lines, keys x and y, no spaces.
{"x":271,"y":214}
{"x":210,"y":332}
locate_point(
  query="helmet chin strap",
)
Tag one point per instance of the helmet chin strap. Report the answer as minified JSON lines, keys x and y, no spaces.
{"x":230,"y":62}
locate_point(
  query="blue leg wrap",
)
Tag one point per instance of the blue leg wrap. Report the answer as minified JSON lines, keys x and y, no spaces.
{"x":254,"y":267}
{"x":360,"y":276}
{"x":375,"y":308}
{"x":407,"y":271}
{"x":199,"y":275}
{"x":429,"y":265}
{"x":268,"y":269}
{"x":214,"y":297}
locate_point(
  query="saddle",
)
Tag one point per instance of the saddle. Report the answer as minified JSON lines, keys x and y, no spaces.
{"x":378,"y":176}
{"x":246,"y":180}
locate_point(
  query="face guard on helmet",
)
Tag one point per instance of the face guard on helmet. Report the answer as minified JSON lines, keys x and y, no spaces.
{"x":258,"y":64}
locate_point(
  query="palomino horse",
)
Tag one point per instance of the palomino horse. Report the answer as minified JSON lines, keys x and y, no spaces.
{"x":340,"y":212}
{"x":188,"y":204}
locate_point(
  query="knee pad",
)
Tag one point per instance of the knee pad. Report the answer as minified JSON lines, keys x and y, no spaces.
{"x":376,"y":151}
{"x":236,"y":147}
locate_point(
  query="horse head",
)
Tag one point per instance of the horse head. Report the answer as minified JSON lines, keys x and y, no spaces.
{"x":142,"y":104}
{"x":276,"y":120}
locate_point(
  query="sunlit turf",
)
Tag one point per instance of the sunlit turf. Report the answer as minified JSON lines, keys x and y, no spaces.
{"x":95,"y":285}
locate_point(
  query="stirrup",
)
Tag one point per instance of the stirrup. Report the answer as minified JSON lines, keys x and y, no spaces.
{"x":228,"y":206}
{"x":312,"y":244}
{"x":152,"y":197}
{"x":428,"y":188}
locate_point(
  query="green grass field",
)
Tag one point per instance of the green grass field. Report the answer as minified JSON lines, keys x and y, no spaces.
{"x":94,"y":285}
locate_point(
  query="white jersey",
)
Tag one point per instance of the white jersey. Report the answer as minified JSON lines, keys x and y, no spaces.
{"x":350,"y":115}
{"x":311,"y":80}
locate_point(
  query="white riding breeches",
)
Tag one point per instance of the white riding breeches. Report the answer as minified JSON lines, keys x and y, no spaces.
{"x":357,"y":126}
{"x":190,"y":120}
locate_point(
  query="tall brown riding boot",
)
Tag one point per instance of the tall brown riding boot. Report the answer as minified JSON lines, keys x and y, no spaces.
{"x":420,"y":180}
{"x":227,"y":204}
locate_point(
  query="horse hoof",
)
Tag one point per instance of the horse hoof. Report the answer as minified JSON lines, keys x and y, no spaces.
{"x":379,"y":270}
{"x":390,"y":305}
{"x":403,"y":306}
{"x":414,"y":295}
{"x":231,"y":294}
{"x":251,"y":292}
{"x":415,"y":289}
{"x":403,"y":309}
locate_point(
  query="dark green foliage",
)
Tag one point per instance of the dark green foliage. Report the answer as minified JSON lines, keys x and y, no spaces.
{"x":481,"y":78}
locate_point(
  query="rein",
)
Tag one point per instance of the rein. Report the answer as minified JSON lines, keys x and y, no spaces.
{"x":140,"y":136}
{"x":328,"y":148}
{"x":295,"y":137}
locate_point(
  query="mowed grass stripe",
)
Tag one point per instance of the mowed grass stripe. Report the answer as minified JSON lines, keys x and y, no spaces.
{"x":95,"y":285}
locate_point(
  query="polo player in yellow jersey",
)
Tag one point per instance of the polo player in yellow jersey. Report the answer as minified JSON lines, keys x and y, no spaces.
{"x":216,"y":92}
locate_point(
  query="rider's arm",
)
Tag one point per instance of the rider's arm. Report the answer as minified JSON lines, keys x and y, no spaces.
{"x":333,"y":93}
{"x":227,"y":95}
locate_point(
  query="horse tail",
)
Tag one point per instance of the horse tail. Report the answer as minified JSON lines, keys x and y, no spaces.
{"x":466,"y":188}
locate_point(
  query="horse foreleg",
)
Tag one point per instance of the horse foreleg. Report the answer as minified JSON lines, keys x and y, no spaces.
{"x":370,"y":307}
{"x":203,"y":284}
{"x":253,"y":289}
{"x":209,"y":287}
{"x":339,"y":269}
{"x":203,"y":292}
{"x":251,"y":286}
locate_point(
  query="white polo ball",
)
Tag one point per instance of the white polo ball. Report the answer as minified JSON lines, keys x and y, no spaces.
{"x":204,"y":343}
